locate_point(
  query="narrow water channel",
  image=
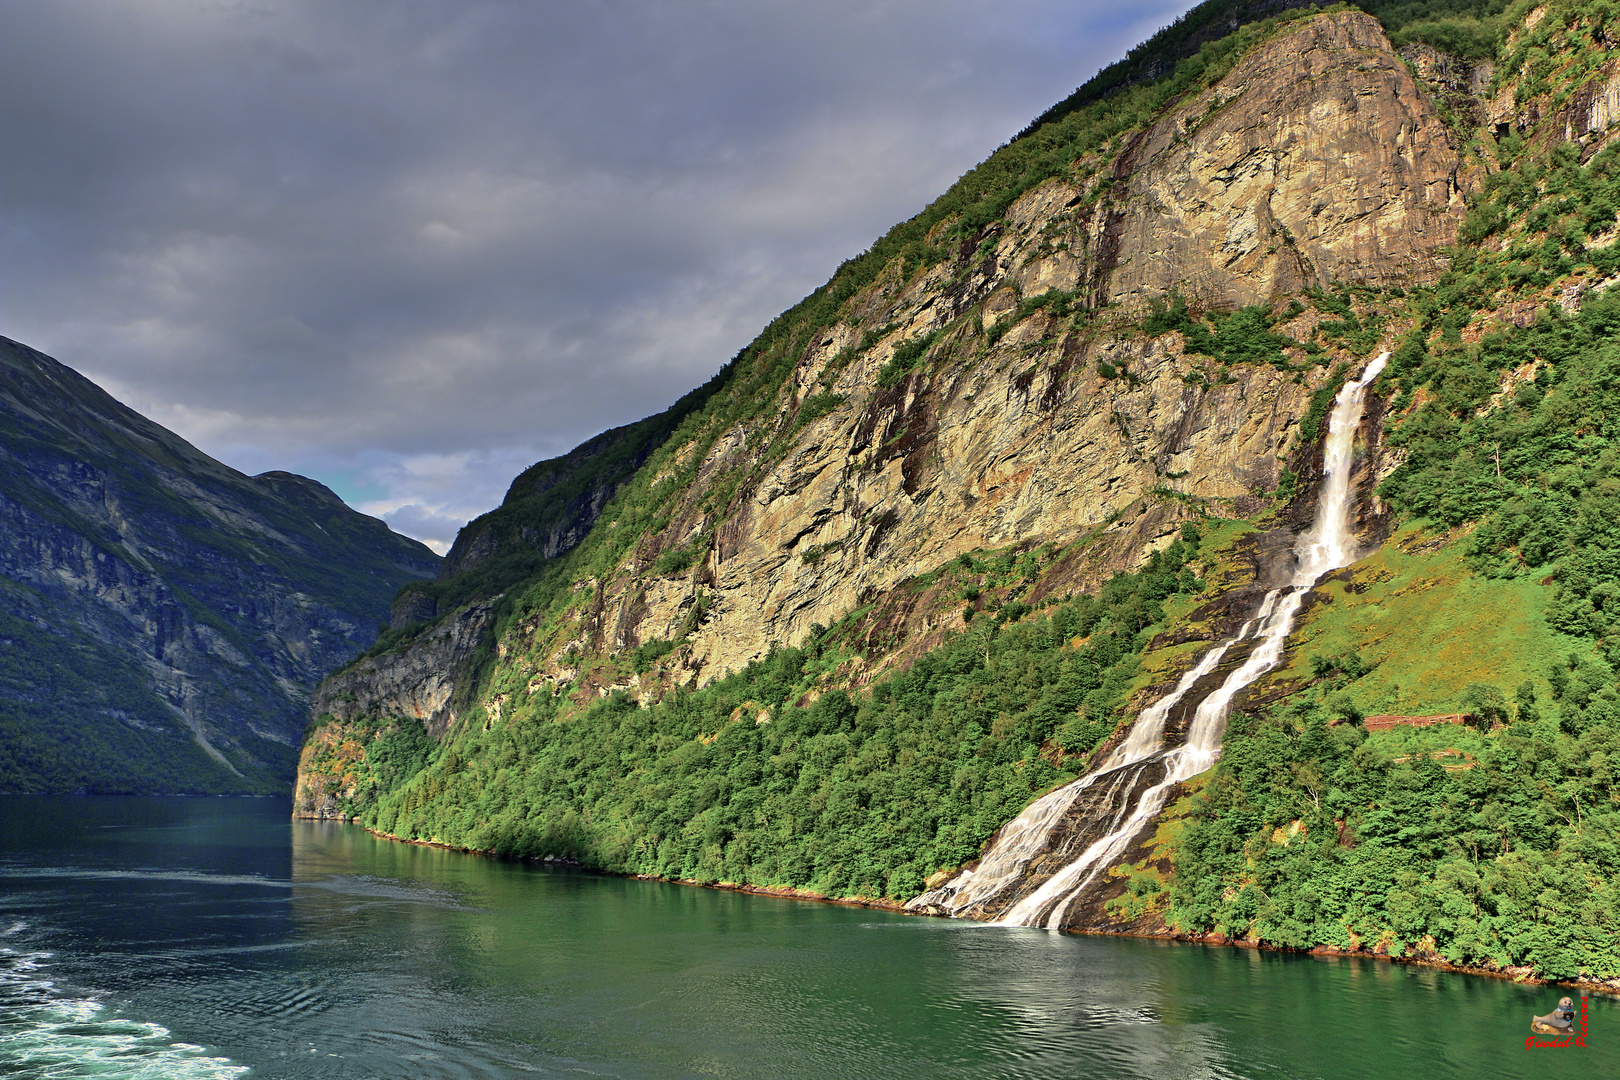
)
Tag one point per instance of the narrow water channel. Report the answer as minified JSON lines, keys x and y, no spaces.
{"x":208,"y":937}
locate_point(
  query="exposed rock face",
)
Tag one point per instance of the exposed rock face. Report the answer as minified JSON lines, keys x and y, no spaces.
{"x":1450,"y":75}
{"x":971,"y":460}
{"x":1144,"y":65}
{"x":417,"y":681}
{"x":1603,"y":112}
{"x":164,"y":616}
{"x":1316,"y":160}
{"x":415,"y":684}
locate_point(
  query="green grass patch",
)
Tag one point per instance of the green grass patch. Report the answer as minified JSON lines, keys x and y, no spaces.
{"x":1430,"y":626}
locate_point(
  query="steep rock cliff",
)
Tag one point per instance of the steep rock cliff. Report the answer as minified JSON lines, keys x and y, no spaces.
{"x":1316,"y":160}
{"x":413,"y":687}
{"x":997,"y":392}
{"x":418,"y":681}
{"x":165,"y":617}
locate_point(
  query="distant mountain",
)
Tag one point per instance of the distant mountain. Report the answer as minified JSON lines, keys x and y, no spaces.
{"x":163,"y":617}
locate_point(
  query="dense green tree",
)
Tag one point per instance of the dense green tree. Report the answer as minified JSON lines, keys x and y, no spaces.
{"x":758,"y":779}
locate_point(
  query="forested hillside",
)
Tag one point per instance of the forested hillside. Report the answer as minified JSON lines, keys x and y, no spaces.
{"x":928,"y":542}
{"x":1493,"y":845}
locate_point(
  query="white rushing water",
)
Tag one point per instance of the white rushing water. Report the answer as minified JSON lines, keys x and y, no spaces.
{"x":1327,"y":546}
{"x":45,"y":1035}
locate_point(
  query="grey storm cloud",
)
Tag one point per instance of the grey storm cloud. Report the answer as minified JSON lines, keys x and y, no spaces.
{"x":409,"y":248}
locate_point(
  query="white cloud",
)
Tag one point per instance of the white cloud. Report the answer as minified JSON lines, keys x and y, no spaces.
{"x":410,"y":249}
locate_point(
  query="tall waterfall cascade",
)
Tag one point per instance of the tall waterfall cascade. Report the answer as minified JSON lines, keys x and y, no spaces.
{"x":1031,"y":875}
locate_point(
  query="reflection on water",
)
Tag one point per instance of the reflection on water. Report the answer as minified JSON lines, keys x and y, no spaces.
{"x":190,"y":937}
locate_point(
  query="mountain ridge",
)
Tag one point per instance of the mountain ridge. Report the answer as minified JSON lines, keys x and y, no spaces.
{"x":960,"y":514}
{"x":217,"y":598}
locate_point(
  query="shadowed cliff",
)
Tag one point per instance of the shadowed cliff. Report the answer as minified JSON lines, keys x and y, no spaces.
{"x":164,"y":617}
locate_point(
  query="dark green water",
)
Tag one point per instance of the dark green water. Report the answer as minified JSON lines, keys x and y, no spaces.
{"x":202,"y":937}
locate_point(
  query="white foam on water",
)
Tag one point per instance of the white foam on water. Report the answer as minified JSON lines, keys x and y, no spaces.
{"x":47,"y":1036}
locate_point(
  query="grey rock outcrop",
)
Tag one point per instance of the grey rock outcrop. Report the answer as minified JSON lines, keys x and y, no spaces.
{"x":417,"y":681}
{"x":1317,"y":159}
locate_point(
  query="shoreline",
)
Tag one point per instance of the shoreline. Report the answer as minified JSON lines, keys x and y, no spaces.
{"x":1522,"y":977}
{"x":1519,"y":976}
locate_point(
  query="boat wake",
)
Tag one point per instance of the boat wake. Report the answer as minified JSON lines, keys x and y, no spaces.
{"x":44,"y":1034}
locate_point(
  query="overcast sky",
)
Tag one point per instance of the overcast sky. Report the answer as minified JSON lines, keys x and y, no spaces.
{"x":410,"y":248}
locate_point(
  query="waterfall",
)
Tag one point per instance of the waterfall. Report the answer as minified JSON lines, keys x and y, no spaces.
{"x":998,"y":887}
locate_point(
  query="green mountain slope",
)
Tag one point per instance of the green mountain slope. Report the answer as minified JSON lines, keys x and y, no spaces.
{"x":951,"y":520}
{"x":164,"y":617}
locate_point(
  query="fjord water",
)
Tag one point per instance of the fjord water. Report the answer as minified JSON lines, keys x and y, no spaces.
{"x":211,"y":937}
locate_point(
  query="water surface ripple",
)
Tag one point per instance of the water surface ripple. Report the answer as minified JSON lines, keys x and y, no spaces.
{"x":211,"y":938}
